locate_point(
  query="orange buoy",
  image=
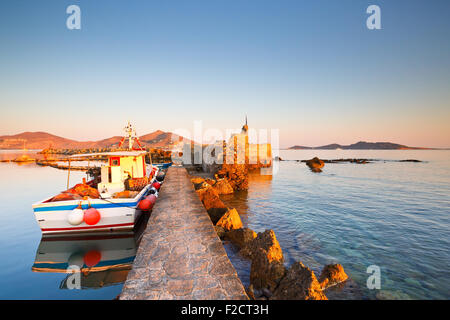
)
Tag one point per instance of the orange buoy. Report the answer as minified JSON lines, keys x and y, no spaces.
{"x":145,"y":204}
{"x":156,"y":185}
{"x":91,"y":216}
{"x":92,"y":258}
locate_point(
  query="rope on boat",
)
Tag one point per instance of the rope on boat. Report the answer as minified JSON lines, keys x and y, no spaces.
{"x":130,"y":207}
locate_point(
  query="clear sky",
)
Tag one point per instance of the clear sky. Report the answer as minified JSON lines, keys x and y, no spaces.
{"x":309,"y":68}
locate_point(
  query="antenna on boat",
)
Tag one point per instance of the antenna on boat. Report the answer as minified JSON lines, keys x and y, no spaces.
{"x":130,"y":134}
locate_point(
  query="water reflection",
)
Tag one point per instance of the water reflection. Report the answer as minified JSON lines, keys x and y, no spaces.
{"x":104,"y":259}
{"x":260,"y":185}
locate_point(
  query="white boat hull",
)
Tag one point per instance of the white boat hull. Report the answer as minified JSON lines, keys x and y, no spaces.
{"x":116,"y":214}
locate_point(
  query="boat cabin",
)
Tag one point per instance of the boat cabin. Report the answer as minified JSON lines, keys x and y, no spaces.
{"x":121,"y":166}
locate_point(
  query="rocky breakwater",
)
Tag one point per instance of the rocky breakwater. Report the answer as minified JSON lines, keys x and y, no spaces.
{"x":267,"y":267}
{"x":208,"y":191}
{"x":269,"y":277}
{"x":235,"y":174}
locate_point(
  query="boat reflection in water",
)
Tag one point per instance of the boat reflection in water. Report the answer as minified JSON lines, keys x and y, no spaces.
{"x":104,"y":259}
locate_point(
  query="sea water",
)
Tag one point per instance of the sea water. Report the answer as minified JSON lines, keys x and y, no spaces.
{"x":20,"y":240}
{"x":394,"y":215}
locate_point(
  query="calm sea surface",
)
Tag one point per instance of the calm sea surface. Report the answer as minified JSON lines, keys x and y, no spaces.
{"x":30,"y":267}
{"x":395,"y":215}
{"x":390,"y":214}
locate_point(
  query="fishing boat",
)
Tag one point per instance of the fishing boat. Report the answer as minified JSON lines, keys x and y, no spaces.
{"x":118,"y":193}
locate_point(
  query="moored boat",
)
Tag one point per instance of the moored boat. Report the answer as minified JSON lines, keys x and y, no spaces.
{"x":108,"y":202}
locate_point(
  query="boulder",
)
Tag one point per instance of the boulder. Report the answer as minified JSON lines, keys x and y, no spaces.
{"x":314,"y":164}
{"x":236,"y":174}
{"x":267,"y":267}
{"x":220,"y":231}
{"x":197,"y":180}
{"x":230,"y":220}
{"x":202,"y":185}
{"x":266,"y":272}
{"x":210,"y":199}
{"x":223,"y":187}
{"x":216,"y":213}
{"x":267,"y":241}
{"x":199,"y":183}
{"x":331,"y":275}
{"x":241,"y":237}
{"x":299,"y":283}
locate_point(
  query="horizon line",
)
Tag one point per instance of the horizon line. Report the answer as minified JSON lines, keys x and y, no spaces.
{"x":281,"y":148}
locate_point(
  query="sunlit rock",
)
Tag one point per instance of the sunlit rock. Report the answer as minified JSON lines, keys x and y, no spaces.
{"x":267,"y":241}
{"x":223,"y":187}
{"x":315,"y":164}
{"x":266,"y":271}
{"x":210,"y":199}
{"x":331,"y":275}
{"x":299,"y":283}
{"x":230,"y":220}
{"x":241,"y":237}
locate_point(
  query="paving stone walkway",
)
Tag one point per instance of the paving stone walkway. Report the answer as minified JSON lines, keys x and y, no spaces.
{"x":180,"y":255}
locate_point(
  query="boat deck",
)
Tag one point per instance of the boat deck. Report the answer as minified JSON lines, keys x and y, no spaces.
{"x":180,"y":255}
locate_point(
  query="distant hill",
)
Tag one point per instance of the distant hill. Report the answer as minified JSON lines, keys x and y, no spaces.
{"x":300,"y":148}
{"x":159,"y":139}
{"x":105,"y":143}
{"x":361,"y":145}
{"x":42,"y":140}
{"x":39,"y":140}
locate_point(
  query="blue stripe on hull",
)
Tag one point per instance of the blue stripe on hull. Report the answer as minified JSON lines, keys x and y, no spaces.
{"x":86,"y":206}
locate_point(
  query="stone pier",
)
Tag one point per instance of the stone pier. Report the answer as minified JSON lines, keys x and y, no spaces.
{"x":180,"y":255}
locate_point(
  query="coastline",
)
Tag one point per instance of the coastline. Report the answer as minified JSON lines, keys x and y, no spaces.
{"x":270,"y":277}
{"x":317,"y":246}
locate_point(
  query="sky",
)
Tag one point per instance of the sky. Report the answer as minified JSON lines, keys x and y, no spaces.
{"x":309,"y":68}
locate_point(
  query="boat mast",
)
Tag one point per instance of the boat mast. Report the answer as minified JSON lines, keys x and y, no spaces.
{"x":130,"y":134}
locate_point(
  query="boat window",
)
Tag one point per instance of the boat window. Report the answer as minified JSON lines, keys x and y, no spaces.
{"x":115,"y":161}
